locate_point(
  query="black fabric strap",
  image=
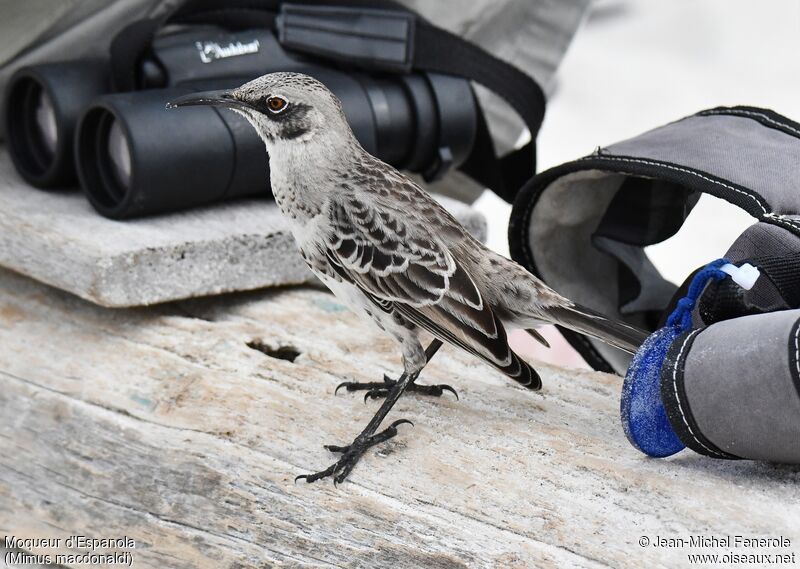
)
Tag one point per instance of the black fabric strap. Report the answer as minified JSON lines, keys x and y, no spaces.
{"x":439,"y":51}
{"x":784,"y":272}
{"x":131,"y":44}
{"x":724,"y":300}
{"x":127,"y":49}
{"x":233,"y":19}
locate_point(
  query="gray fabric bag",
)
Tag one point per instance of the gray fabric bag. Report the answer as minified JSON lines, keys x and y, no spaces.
{"x":731,"y":385}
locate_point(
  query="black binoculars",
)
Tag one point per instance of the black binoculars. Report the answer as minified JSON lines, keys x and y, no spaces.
{"x":132,"y":157}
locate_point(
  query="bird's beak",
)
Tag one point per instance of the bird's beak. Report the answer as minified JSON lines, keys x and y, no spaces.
{"x":213,"y":98}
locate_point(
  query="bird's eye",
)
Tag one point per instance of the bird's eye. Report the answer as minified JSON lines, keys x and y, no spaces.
{"x":276,"y":104}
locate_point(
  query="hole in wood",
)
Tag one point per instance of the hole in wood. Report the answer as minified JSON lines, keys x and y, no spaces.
{"x":287,"y":353}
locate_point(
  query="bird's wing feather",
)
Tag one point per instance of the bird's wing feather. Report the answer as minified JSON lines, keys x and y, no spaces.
{"x":400,"y":264}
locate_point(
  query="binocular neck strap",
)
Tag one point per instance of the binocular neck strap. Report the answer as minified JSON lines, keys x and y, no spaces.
{"x":439,"y":51}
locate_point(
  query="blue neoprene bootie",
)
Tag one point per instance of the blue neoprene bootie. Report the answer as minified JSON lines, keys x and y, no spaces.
{"x":644,"y":417}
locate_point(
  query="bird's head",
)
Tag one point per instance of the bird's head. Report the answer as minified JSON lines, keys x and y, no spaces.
{"x":280,"y":106}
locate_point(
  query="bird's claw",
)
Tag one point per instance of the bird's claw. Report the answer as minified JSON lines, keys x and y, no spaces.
{"x":370,"y":386}
{"x":375,"y":393}
{"x":351,"y":454}
{"x":348,"y":384}
{"x":442,"y":387}
{"x":398,"y":423}
{"x":377,"y":390}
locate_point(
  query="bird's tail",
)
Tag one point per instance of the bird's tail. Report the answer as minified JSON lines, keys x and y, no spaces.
{"x":592,"y":323}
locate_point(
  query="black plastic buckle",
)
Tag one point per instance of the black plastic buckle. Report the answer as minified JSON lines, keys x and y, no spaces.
{"x":375,"y":39}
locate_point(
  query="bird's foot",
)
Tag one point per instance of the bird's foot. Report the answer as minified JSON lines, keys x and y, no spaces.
{"x":378,"y":390}
{"x":352,"y":453}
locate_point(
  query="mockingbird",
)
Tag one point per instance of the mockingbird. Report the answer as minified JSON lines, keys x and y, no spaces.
{"x":390,"y":252}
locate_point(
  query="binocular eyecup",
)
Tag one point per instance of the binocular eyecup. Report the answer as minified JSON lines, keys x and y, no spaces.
{"x":43,"y":104}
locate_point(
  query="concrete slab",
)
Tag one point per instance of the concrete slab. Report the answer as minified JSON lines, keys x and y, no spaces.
{"x":57,"y":238}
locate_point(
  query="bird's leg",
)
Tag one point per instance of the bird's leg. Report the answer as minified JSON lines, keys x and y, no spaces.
{"x":352,"y":453}
{"x":378,"y":389}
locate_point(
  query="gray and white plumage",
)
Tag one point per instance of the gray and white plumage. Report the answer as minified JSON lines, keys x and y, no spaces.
{"x":386,"y":248}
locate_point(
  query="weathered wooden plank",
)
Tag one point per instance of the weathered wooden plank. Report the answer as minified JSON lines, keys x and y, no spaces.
{"x":163,"y":425}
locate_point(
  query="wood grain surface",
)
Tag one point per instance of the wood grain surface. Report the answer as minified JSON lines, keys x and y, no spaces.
{"x":164,"y":425}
